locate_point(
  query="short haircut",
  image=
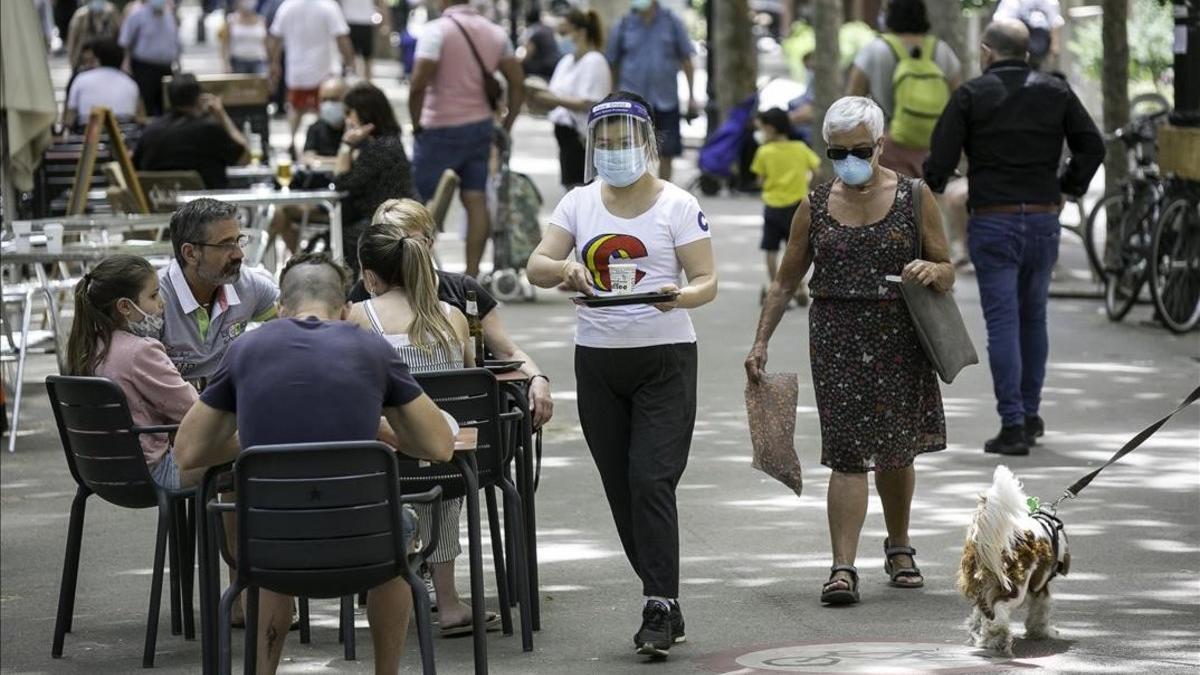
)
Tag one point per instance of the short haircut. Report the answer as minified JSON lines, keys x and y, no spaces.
{"x":777,"y":119}
{"x":189,"y":225}
{"x":106,"y":50}
{"x":372,"y":107}
{"x":183,"y":91}
{"x":850,"y":112}
{"x":1008,"y":39}
{"x":907,"y":16}
{"x":311,"y":277}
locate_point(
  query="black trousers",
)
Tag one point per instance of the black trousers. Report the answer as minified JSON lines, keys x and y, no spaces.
{"x":637,"y":408}
{"x":571,"y":155}
{"x":149,"y":78}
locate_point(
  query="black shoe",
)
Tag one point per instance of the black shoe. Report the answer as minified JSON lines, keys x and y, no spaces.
{"x":656,"y":634}
{"x":1035,"y":428}
{"x":1010,"y":441}
{"x":677,"y":624}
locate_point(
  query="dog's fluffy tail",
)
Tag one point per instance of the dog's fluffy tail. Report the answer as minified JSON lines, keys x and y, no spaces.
{"x":1000,"y":521}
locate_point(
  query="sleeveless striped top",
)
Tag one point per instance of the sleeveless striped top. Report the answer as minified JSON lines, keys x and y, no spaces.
{"x":419,"y":359}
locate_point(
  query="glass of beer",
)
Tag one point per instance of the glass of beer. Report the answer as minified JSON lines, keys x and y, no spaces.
{"x":255,"y":142}
{"x":283,"y":171}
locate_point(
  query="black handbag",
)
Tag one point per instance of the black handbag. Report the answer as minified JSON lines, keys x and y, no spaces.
{"x":935,"y":315}
{"x":491,"y":86}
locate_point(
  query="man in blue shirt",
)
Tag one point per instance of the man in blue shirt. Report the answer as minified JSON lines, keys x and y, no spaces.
{"x":313,"y":377}
{"x":150,"y":37}
{"x":646,"y":51}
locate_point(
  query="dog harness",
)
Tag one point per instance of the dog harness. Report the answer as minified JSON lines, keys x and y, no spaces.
{"x":1052,"y":525}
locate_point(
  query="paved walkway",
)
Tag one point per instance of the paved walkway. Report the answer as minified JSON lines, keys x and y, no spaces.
{"x":754,"y":555}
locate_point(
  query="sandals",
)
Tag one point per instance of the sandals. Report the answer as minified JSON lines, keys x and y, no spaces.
{"x":898,"y":573}
{"x":840,"y":596}
{"x":491,"y":622}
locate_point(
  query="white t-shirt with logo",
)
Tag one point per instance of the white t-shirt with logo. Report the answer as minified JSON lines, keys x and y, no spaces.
{"x":649,"y":241}
{"x":309,"y":30}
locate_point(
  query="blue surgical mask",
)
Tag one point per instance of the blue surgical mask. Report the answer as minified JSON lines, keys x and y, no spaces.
{"x":565,"y":44}
{"x":620,"y":168}
{"x":97,"y":5}
{"x":333,"y":112}
{"x":852,"y":170}
{"x":639,"y":5}
{"x":158,"y":4}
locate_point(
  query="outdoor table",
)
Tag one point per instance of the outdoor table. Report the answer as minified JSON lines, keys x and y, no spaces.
{"x":209,"y":557}
{"x":81,"y":253}
{"x":516,"y":384}
{"x":103,"y":224}
{"x":250,"y":172}
{"x":330,"y":200}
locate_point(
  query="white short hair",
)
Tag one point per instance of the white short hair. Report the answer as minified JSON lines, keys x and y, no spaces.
{"x":849,"y":112}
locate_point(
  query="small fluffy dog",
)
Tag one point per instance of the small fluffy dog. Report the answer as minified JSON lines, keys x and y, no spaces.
{"x":1008,"y":560}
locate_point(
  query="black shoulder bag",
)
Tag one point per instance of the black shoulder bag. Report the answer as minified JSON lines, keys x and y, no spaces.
{"x":492,"y":88}
{"x":935,"y":315}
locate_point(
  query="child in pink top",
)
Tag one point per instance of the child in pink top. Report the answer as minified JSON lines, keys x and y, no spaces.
{"x":118,"y":319}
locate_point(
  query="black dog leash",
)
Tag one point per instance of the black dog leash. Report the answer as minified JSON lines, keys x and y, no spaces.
{"x":1129,"y":447}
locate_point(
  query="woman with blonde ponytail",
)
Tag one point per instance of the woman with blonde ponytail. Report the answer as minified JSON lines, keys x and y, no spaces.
{"x":429,"y":335}
{"x":118,"y":322}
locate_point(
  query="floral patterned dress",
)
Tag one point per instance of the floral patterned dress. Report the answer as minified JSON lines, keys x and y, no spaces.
{"x":877,"y":394}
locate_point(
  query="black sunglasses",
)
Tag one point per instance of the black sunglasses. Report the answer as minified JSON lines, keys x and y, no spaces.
{"x":861,"y":152}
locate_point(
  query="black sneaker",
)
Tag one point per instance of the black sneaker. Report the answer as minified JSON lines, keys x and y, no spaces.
{"x":1010,"y":441}
{"x":677,"y":623}
{"x":657,"y":632}
{"x":1035,"y":428}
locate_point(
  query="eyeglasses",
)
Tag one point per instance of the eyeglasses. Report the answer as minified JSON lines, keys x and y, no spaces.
{"x":241,"y":242}
{"x":861,"y":152}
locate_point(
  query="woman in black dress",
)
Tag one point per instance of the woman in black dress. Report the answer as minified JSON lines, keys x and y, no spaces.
{"x":371,"y":164}
{"x":877,"y":395}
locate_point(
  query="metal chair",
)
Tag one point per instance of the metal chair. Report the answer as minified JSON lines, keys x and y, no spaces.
{"x":105,"y":459}
{"x":17,"y":348}
{"x":316,"y":520}
{"x":472,"y":396}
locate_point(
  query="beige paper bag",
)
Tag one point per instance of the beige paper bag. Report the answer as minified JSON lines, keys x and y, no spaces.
{"x":771,"y":408}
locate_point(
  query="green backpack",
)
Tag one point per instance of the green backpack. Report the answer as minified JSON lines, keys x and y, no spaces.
{"x":919,"y":93}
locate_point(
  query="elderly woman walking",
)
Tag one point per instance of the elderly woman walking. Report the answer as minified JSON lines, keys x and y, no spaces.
{"x":877,"y":395}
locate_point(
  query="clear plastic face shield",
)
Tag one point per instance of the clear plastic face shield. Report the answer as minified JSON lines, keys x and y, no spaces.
{"x":621,"y":146}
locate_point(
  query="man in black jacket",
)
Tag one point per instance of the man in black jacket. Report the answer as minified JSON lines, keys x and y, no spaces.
{"x":1012,"y":122}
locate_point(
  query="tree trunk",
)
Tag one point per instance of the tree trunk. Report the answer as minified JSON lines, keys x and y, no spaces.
{"x":948,"y":23}
{"x":735,"y":55}
{"x":1114,"y":85}
{"x":828,"y":78}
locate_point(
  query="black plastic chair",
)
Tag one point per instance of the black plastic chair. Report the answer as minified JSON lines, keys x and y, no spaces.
{"x":318,"y":520}
{"x":105,"y":459}
{"x":472,"y":397}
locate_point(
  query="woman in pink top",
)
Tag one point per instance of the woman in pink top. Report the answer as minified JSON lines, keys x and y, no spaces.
{"x":118,"y":320}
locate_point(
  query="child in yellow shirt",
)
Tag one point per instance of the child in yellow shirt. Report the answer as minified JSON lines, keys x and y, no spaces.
{"x":784,"y":168}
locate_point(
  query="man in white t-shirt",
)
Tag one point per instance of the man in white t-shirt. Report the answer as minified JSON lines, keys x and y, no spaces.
{"x":360,"y":15}
{"x":308,"y":31}
{"x":105,"y":85}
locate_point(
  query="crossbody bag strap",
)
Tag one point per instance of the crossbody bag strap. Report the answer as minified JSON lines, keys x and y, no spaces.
{"x":471,"y":43}
{"x":918,"y":221}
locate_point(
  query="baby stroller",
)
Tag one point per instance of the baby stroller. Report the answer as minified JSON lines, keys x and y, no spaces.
{"x":516,"y":231}
{"x":722,"y":155}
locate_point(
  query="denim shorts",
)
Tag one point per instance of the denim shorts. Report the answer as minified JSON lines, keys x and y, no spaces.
{"x":463,"y":149}
{"x":166,"y":472}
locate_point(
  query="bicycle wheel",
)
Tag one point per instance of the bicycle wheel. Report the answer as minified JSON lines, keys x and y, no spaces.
{"x":1175,"y":266}
{"x":1110,"y":209}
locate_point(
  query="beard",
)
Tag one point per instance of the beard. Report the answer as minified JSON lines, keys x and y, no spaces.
{"x":226,"y":275}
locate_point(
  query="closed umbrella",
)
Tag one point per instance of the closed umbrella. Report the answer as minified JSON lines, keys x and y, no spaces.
{"x":27,"y":109}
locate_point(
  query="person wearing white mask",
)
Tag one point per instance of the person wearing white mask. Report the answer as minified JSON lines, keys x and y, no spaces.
{"x":116,"y":331}
{"x":877,"y":396}
{"x":635,"y":364}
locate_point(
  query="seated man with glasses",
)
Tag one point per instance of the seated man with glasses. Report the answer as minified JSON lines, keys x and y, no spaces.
{"x":209,"y":295}
{"x":268,"y":392}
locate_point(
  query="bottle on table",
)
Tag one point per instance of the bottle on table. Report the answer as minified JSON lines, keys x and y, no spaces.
{"x":475,"y":327}
{"x":255,"y":143}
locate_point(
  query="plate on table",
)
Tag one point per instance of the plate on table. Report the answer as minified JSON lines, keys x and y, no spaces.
{"x":500,"y":367}
{"x":619,"y":300}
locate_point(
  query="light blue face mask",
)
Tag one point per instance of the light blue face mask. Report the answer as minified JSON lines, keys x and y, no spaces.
{"x":620,"y":168}
{"x":852,"y":170}
{"x":639,"y":5}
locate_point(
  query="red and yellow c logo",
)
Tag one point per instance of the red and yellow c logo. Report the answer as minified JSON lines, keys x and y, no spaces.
{"x":599,"y":252}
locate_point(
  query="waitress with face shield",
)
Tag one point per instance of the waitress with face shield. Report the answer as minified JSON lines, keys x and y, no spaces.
{"x":635,"y":364}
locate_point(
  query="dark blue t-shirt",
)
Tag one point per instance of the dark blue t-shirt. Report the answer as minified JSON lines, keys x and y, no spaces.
{"x":309,"y":381}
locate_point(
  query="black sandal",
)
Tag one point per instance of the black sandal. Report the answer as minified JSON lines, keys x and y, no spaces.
{"x":841,"y":596}
{"x":896,"y":572}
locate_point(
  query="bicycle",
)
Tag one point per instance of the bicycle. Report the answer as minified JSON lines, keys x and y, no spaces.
{"x":1134,"y":209}
{"x":1175,"y":258}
